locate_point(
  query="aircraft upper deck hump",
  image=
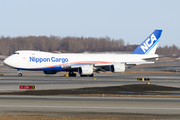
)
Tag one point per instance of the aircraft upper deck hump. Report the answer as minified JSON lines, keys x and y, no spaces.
{"x":149,"y":46}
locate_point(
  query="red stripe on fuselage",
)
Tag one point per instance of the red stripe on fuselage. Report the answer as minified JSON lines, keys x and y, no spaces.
{"x":74,"y":63}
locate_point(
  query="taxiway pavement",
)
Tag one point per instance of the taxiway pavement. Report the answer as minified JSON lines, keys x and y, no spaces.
{"x":10,"y":81}
{"x":155,"y":106}
{"x":59,"y":82}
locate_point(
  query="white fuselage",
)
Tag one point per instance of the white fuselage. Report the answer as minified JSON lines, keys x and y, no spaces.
{"x":37,"y":60}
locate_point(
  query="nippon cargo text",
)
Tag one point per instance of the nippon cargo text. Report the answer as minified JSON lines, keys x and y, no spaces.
{"x":51,"y":59}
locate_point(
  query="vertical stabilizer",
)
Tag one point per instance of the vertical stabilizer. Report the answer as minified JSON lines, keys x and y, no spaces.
{"x":149,"y":46}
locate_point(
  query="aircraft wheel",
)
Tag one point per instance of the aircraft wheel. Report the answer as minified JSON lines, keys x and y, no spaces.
{"x":20,"y":74}
{"x":71,"y":74}
{"x":92,"y":75}
{"x":83,"y":75}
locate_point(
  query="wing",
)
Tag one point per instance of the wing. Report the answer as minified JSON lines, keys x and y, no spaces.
{"x":105,"y":66}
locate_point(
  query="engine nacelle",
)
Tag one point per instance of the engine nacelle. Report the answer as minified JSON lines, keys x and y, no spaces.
{"x":85,"y":70}
{"x":50,"y":72}
{"x":117,"y":67}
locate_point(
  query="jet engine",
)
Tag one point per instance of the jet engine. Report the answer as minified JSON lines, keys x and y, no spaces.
{"x":50,"y":72}
{"x":117,"y":67}
{"x":85,"y":70}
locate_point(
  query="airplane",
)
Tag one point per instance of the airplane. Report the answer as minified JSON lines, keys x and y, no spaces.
{"x":84,"y":64}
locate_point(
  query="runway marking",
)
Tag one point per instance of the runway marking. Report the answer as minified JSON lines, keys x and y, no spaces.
{"x":85,"y":107}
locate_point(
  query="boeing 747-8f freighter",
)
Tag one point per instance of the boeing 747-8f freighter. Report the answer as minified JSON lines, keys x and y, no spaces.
{"x":84,"y":64}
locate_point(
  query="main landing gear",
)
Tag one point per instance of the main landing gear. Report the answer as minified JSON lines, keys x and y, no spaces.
{"x":71,"y":74}
{"x":20,"y":73}
{"x":92,"y":75}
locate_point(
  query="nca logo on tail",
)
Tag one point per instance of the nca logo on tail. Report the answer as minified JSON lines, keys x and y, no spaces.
{"x":148,"y":43}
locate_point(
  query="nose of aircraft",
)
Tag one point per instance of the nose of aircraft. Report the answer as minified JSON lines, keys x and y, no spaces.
{"x":10,"y":61}
{"x":6,"y":61}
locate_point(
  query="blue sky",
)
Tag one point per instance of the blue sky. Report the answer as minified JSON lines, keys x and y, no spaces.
{"x":131,"y":20}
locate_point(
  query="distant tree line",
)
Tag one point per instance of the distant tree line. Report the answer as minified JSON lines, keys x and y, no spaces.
{"x":168,"y":50}
{"x":72,"y":44}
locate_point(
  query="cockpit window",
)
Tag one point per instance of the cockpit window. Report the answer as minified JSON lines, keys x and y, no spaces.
{"x":15,"y":53}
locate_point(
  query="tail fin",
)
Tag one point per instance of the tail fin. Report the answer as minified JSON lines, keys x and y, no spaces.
{"x":149,"y":45}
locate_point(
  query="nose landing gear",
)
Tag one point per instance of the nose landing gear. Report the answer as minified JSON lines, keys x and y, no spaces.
{"x":20,"y":73}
